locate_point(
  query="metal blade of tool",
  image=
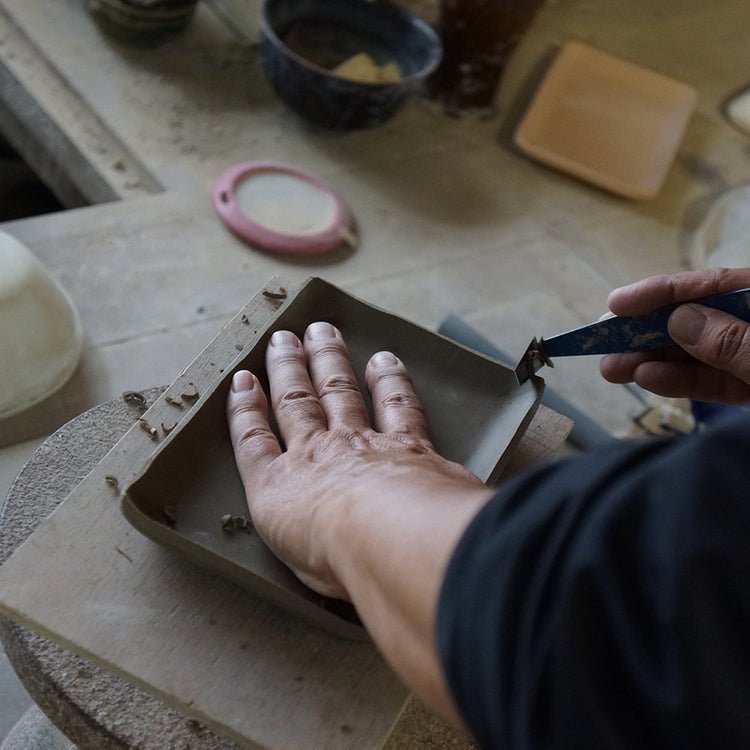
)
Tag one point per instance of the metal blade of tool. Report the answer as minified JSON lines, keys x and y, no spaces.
{"x":620,"y":334}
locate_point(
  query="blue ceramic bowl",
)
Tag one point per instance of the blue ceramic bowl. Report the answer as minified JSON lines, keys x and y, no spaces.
{"x":304,"y":39}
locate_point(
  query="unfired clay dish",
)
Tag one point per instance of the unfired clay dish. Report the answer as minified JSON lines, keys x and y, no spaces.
{"x":475,"y":407}
{"x":608,"y":121}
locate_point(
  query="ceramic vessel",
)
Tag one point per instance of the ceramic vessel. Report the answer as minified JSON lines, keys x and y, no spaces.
{"x":40,"y":333}
{"x":142,"y":23}
{"x":303,"y":40}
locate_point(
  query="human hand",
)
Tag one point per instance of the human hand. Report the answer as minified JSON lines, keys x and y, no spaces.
{"x":712,"y":362}
{"x":302,"y":487}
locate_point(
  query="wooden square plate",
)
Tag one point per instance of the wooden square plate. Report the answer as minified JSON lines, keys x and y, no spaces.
{"x":608,"y":121}
{"x":178,"y":497}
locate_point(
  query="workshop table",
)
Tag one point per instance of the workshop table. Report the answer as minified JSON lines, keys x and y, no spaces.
{"x":96,"y":709}
{"x":135,"y":333}
{"x":451,"y":218}
{"x":218,"y":655}
{"x":443,"y":206}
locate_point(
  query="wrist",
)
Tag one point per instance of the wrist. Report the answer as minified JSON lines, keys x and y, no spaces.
{"x":375,"y":527}
{"x":389,"y":550}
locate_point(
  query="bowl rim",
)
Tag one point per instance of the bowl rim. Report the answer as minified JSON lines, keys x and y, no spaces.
{"x":268,"y":33}
{"x":57,"y":373}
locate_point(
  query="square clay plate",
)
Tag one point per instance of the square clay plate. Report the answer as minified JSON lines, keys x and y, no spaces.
{"x":475,"y":408}
{"x":607,"y":121}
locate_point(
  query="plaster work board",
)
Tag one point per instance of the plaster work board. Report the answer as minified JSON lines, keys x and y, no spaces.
{"x":86,"y":579}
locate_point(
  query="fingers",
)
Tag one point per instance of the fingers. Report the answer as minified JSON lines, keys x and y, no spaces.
{"x":717,"y":345}
{"x":255,"y":445}
{"x":669,"y":289}
{"x":395,"y":404}
{"x":333,"y":378}
{"x":298,"y":411}
{"x":313,"y":388}
{"x":621,"y":368}
{"x":715,"y":338}
{"x":691,"y":380}
{"x":675,"y":374}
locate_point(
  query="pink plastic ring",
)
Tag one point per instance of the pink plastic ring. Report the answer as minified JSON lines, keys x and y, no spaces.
{"x":336,"y":232}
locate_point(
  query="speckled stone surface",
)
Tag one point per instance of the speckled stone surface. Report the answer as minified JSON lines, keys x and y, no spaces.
{"x":34,"y":731}
{"x":94,"y":708}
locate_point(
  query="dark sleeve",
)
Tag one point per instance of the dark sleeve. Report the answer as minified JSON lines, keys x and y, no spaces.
{"x":604,"y":601}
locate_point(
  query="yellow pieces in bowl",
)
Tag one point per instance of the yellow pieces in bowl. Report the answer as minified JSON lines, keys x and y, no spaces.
{"x":362,"y":67}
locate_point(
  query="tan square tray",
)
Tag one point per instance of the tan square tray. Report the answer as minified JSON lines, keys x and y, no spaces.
{"x":475,"y":408}
{"x":608,"y":121}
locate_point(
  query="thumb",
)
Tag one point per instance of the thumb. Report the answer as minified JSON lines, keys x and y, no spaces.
{"x":713,"y":337}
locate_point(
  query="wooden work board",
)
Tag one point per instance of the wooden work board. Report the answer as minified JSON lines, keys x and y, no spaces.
{"x":229,"y":659}
{"x":232,"y":661}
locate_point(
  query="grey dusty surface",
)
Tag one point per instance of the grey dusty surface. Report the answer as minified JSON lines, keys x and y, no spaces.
{"x":452,"y":219}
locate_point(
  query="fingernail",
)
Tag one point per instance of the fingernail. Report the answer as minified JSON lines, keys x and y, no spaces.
{"x":384,"y":358}
{"x":242,"y":381}
{"x":320,"y":330}
{"x":283,"y":337}
{"x":686,"y":324}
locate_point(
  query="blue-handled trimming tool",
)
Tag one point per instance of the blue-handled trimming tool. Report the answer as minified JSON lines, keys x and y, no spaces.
{"x":622,"y":334}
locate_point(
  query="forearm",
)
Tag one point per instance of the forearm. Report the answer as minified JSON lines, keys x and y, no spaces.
{"x":368,"y":513}
{"x":390,"y":549}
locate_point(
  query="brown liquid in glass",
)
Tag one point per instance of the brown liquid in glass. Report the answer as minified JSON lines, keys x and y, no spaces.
{"x":478,"y":38}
